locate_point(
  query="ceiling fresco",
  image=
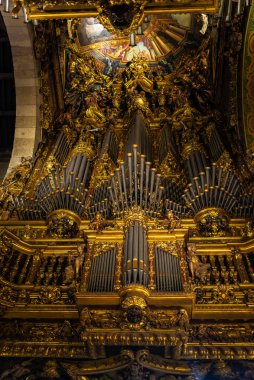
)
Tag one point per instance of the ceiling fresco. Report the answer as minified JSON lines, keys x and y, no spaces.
{"x":159,"y":38}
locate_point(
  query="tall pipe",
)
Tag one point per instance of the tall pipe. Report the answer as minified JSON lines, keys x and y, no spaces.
{"x":124,"y":183}
{"x":171,"y":269}
{"x":105,"y":271}
{"x":112,"y":268}
{"x":101,"y":275}
{"x":167,"y":272}
{"x":129,"y":253}
{"x":135,"y":254}
{"x":145,"y":275}
{"x":115,"y":192}
{"x":162,"y":270}
{"x":86,"y":173}
{"x":125,"y":252}
{"x":142,"y":166}
{"x":120,"y":186}
{"x":141,"y":254}
{"x":130,"y":175}
{"x":148,"y":165}
{"x":157,"y":183}
{"x":157,"y":267}
{"x":135,"y":148}
{"x":91,"y":278}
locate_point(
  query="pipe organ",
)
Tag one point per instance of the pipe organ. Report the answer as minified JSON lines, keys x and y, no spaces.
{"x":127,"y":242}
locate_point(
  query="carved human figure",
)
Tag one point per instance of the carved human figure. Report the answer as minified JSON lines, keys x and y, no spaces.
{"x":173,"y":221}
{"x":98,"y":222}
{"x":79,"y":260}
{"x":183,"y":319}
{"x":93,"y":109}
{"x":86,"y":318}
{"x":198,"y":269}
{"x":69,"y":271}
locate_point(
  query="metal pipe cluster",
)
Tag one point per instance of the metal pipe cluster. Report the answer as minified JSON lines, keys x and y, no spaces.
{"x":166,"y":144}
{"x":246,"y":208}
{"x":66,"y":187}
{"x":101,"y":193}
{"x":100,"y":201}
{"x":61,"y":148}
{"x":135,"y":256}
{"x":172,"y":191}
{"x":103,"y":207}
{"x":63,"y":188}
{"x":138,"y":135}
{"x":136,"y":183}
{"x":195,"y":164}
{"x":168,"y":273}
{"x":226,"y":10}
{"x":28,"y":208}
{"x":110,"y":146}
{"x":215,"y":145}
{"x":215,"y":187}
{"x":102,"y":272}
{"x":179,"y":210}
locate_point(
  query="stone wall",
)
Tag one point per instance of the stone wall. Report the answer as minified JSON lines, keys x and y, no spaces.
{"x":27,"y":130}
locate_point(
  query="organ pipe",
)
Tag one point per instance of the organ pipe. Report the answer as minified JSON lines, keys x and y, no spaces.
{"x":135,"y":255}
{"x":168,"y":273}
{"x":102,"y":272}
